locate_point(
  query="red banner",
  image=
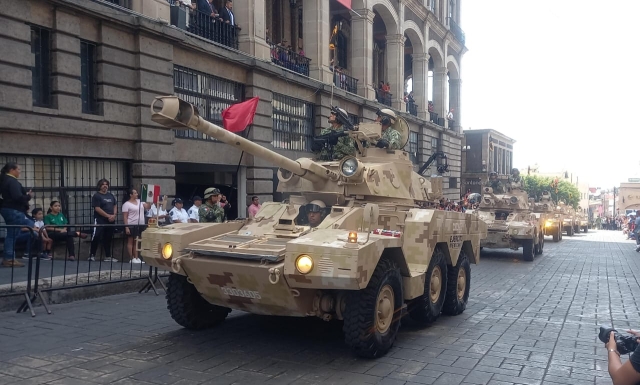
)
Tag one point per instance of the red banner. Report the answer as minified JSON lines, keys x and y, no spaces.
{"x":346,"y":3}
{"x":239,"y":116}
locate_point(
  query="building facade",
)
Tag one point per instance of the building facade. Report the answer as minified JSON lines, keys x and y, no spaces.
{"x":628,"y":197}
{"x":78,"y":77}
{"x":484,"y":151}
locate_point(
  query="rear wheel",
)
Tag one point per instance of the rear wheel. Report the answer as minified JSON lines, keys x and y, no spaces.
{"x":458,"y":285}
{"x":586,"y":229}
{"x":540,"y":246}
{"x":188,"y":308}
{"x":426,"y":308}
{"x":528,"y":250}
{"x":372,"y":316}
{"x":557,"y":236}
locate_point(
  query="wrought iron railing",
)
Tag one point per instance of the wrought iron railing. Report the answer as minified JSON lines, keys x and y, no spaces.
{"x":212,"y":28}
{"x":433,"y":117}
{"x":384,"y":98}
{"x":293,"y":123}
{"x":286,"y":58}
{"x":412,"y":108}
{"x":345,"y":82}
{"x":456,"y":30}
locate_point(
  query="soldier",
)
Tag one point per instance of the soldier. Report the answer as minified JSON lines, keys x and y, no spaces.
{"x":494,"y":183}
{"x":390,"y":136}
{"x":515,"y":178}
{"x":316,"y":211}
{"x":341,"y":149}
{"x":210,"y":211}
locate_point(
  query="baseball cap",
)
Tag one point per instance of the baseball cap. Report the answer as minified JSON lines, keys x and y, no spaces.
{"x":196,"y":198}
{"x":177,"y":200}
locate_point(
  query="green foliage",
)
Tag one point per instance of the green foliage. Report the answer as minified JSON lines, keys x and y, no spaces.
{"x":534,"y":186}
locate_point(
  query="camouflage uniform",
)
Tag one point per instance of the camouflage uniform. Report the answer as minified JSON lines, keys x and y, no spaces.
{"x":393,"y":137}
{"x":496,"y":186}
{"x":206,"y":209}
{"x":344,"y":147}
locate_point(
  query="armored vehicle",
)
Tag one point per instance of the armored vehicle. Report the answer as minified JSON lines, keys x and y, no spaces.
{"x":511,"y":222}
{"x":581,"y":221}
{"x":374,"y":257}
{"x":544,"y":210}
{"x":569,"y":218}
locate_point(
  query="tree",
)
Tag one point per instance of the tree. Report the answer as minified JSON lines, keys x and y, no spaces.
{"x":560,"y":190}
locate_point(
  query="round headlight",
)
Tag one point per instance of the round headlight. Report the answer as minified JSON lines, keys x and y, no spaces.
{"x":167,"y":251}
{"x":514,"y":200}
{"x":349,"y":167}
{"x":304,"y":264}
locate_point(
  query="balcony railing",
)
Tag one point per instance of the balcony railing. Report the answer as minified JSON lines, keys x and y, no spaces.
{"x":345,"y":82}
{"x":383,"y":98}
{"x":286,"y":58}
{"x":456,"y":30}
{"x":433,"y":117}
{"x":412,"y":108}
{"x":210,"y":28}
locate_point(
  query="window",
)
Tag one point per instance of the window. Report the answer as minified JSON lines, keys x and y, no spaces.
{"x":452,"y":7}
{"x":88,"y":72}
{"x":41,"y":70}
{"x":210,"y":94}
{"x":434,"y":144}
{"x":474,"y":153}
{"x":355,"y":119}
{"x":413,"y":146}
{"x":453,"y":182}
{"x":292,"y":123}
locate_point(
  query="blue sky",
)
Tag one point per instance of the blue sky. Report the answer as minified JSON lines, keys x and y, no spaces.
{"x":561,"y":78}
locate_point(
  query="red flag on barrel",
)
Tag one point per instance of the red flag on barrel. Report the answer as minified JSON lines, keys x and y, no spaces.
{"x":239,"y":116}
{"x":346,"y":3}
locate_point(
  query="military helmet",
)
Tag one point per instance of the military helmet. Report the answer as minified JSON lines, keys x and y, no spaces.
{"x":210,"y":192}
{"x":341,"y":111}
{"x":515,"y":170}
{"x":315,"y":206}
{"x":388,"y":116}
{"x":493,"y":173}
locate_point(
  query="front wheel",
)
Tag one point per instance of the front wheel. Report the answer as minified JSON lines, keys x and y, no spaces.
{"x":557,"y":236}
{"x":426,"y":308}
{"x":188,"y":308}
{"x":527,"y":250}
{"x":586,"y":229}
{"x":372,"y":316}
{"x":458,"y":285}
{"x":540,"y":245}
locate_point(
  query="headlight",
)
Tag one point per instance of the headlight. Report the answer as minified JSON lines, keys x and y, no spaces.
{"x":349,"y":167}
{"x":514,"y":200}
{"x":304,"y":264}
{"x":167,"y":251}
{"x":548,"y":223}
{"x":514,"y":231}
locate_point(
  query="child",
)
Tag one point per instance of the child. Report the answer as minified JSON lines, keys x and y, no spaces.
{"x":47,"y":243}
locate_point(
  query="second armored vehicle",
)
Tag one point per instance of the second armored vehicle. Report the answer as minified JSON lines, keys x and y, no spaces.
{"x":569,"y":218}
{"x":581,"y":221}
{"x":545,"y":211}
{"x":350,"y":244}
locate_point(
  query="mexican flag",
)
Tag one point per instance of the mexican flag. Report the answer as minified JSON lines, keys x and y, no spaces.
{"x":150,"y":193}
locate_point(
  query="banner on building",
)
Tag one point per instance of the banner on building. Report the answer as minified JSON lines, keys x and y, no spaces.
{"x":150,"y":193}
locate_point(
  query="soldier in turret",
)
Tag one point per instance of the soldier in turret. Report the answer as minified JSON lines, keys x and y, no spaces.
{"x":495,"y":183}
{"x":345,"y":145}
{"x":515,"y":179}
{"x":210,"y":211}
{"x":390,"y":136}
{"x":316,"y":211}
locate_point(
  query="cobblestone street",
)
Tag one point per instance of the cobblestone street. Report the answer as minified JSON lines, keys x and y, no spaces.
{"x":526,"y":323}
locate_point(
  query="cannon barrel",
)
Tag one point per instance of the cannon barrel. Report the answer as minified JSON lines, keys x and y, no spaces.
{"x":171,"y":111}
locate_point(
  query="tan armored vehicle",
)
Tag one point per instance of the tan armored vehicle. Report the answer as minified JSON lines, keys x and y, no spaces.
{"x":544,"y":210}
{"x":569,"y":218}
{"x":374,"y":257}
{"x":581,"y":222}
{"x":511,"y":222}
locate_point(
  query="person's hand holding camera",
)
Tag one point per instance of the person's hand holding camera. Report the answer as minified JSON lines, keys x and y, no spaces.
{"x":629,"y":372}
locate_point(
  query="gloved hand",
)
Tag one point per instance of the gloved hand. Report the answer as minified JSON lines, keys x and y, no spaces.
{"x":333,"y":140}
{"x":382,"y":143}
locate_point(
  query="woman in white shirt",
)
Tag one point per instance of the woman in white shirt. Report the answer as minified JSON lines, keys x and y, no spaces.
{"x":178,"y":213}
{"x":133,"y":216}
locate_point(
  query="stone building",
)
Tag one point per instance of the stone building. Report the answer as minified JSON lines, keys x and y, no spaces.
{"x":78,"y":76}
{"x":628,"y":197}
{"x":484,"y":151}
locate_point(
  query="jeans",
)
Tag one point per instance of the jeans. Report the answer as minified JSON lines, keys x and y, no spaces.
{"x":104,"y":234}
{"x":12,"y":217}
{"x":29,"y":237}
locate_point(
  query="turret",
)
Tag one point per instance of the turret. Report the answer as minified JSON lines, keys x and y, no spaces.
{"x":375,"y":174}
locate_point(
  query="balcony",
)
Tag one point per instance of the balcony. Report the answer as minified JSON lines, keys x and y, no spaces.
{"x":412,"y":108}
{"x":456,"y":30}
{"x":345,"y":82}
{"x":383,"y":98}
{"x":203,"y":25}
{"x":433,"y":117}
{"x":290,"y":60}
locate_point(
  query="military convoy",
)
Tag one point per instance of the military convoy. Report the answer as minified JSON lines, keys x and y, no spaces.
{"x":581,"y":221}
{"x":545,"y":211}
{"x":511,"y":222}
{"x":568,"y":218}
{"x":374,"y":258}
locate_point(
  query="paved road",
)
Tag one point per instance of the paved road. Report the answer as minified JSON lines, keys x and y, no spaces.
{"x":527,"y":323}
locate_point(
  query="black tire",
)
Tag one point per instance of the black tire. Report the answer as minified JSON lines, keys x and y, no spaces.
{"x":586,"y":229}
{"x":188,"y":308}
{"x":539,"y":247}
{"x":560,"y":232}
{"x":361,"y":325}
{"x":557,"y":236}
{"x":570,"y":231}
{"x":456,"y":299}
{"x":425,"y":309}
{"x":527,"y":249}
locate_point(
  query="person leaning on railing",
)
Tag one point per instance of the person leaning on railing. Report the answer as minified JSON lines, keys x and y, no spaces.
{"x":14,"y":206}
{"x":55,"y":217}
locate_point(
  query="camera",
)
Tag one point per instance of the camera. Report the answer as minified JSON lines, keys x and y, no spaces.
{"x":624,"y":344}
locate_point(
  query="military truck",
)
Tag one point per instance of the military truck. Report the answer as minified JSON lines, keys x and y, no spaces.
{"x":581,"y":221}
{"x":511,"y":222}
{"x":375,"y":257}
{"x":544,"y":210}
{"x":568,"y":218}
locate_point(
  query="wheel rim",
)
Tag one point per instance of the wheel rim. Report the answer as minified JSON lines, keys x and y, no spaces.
{"x":384,"y":309}
{"x":436,"y":284}
{"x":462,"y":283}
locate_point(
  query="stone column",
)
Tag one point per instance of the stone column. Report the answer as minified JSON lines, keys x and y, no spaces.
{"x":362,"y":52}
{"x":420,"y":84}
{"x":440,"y":91}
{"x":250,"y":17}
{"x":316,"y":31}
{"x":454,"y":100}
{"x":395,"y":69}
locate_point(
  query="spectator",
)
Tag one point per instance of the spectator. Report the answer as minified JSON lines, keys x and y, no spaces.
{"x":133,"y":215}
{"x":47,"y":243}
{"x":226,"y":14}
{"x":450,"y":115}
{"x":178,"y":213}
{"x":55,"y":217}
{"x":13,"y":209}
{"x":193,"y":211}
{"x":254,"y":207}
{"x":225,"y":205}
{"x":430,"y":106}
{"x":301,"y":51}
{"x":105,"y":213}
{"x":158,"y":212}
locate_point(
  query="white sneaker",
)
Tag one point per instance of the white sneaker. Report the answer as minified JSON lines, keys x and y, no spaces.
{"x":135,"y":260}
{"x":109,"y":260}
